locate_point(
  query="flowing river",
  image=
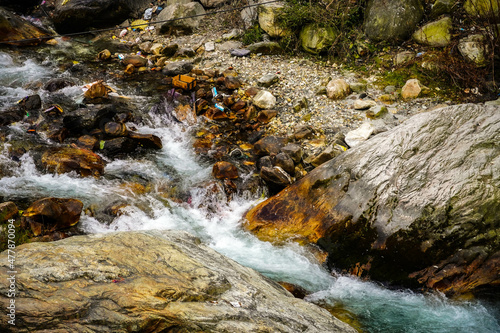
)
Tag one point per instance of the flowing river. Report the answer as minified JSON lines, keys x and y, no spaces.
{"x":216,"y":221}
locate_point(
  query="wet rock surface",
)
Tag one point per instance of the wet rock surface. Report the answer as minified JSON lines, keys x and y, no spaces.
{"x":149,"y":281}
{"x":415,"y":205}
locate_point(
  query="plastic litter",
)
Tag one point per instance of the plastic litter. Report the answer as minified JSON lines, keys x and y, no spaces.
{"x":123,"y":33}
{"x":148,"y":13}
{"x":54,"y":108}
{"x":214,"y":92}
{"x":121,"y":56}
{"x":218,"y":106}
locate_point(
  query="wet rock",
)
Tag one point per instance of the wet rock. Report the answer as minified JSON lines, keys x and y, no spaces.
{"x":252,"y":91}
{"x":33,"y":102}
{"x":57,"y":132}
{"x":88,"y":142}
{"x":11,"y":115}
{"x":269,"y":145}
{"x":115,"y":129}
{"x":178,"y":67}
{"x":285,"y":162}
{"x":296,"y":291}
{"x":265,"y":161}
{"x":149,"y":141}
{"x":130,"y":279}
{"x":294,"y":151}
{"x":84,"y":120}
{"x":231,"y":82}
{"x":169,"y":50}
{"x":14,"y":28}
{"x":118,"y":146}
{"x":264,"y":100}
{"x":265,"y":116}
{"x":58,"y":84}
{"x":104,"y":55}
{"x":268,"y":80}
{"x":251,"y":113}
{"x":326,"y":155}
{"x":8,"y":210}
{"x":276,"y":176}
{"x":337,"y":89}
{"x":361,"y":134}
{"x":185,"y":114}
{"x":135,"y":60}
{"x":239,"y":105}
{"x":76,"y":16}
{"x":417,"y":216}
{"x":169,"y":18}
{"x":224,"y":170}
{"x":303,"y":132}
{"x":50,"y":214}
{"x":67,"y":159}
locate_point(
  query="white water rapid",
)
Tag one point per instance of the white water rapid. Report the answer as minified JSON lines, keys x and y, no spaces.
{"x":218,"y":223}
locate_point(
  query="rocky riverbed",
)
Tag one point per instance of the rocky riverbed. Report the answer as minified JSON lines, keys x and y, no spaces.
{"x":103,"y":140}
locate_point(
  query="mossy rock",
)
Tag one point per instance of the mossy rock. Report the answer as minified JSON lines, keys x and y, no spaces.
{"x":435,"y":34}
{"x":482,"y":8}
{"x":316,"y":39}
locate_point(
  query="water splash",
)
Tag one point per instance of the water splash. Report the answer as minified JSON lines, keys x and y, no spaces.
{"x":14,"y":77}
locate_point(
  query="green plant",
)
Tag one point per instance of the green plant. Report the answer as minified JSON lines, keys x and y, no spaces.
{"x":252,"y":35}
{"x":345,"y":16}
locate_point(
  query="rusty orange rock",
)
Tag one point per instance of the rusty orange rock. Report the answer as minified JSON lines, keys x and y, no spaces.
{"x":224,"y":170}
{"x":67,"y":159}
{"x":50,"y":214}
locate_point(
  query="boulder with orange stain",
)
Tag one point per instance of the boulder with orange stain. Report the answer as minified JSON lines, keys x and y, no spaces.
{"x":67,"y":159}
{"x":417,"y":205}
{"x":51,"y":214}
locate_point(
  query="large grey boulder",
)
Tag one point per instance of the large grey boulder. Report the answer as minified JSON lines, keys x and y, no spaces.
{"x":176,"y":11}
{"x":392,"y":20}
{"x":80,"y":15}
{"x":150,"y":281}
{"x":416,"y":205}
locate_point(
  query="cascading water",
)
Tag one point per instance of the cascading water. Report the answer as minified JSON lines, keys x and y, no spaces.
{"x":218,"y":223}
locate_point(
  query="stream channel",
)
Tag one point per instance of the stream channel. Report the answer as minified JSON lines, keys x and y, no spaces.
{"x":214,"y":220}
